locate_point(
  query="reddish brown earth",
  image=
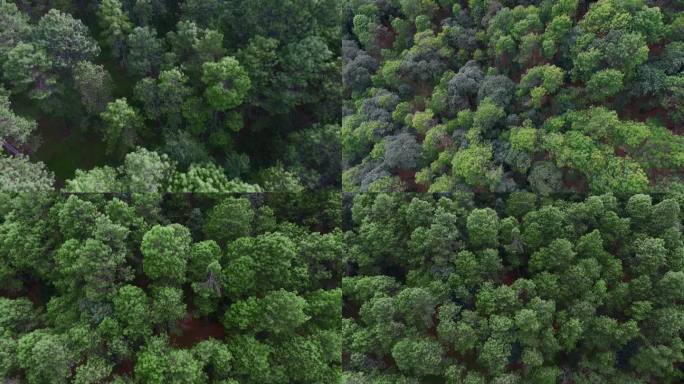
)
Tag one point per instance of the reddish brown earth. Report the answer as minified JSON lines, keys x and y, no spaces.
{"x":442,"y":13}
{"x":582,"y":9}
{"x":31,"y":290}
{"x":574,"y":183}
{"x":536,"y":58}
{"x":432,"y":331}
{"x":640,"y":109}
{"x":655,"y":49}
{"x":389,"y":361}
{"x":445,"y":141}
{"x":408,"y":177}
{"x":386,"y":37}
{"x":510,"y":278}
{"x":350,"y":310}
{"x":620,"y":151}
{"x":124,"y":368}
{"x":141,"y":281}
{"x":34,"y":294}
{"x":655,"y":174}
{"x":194,"y":330}
{"x":424,"y":90}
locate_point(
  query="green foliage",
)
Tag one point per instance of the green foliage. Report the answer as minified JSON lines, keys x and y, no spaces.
{"x":473,"y":165}
{"x":15,"y":128}
{"x":279,"y":312}
{"x":604,"y":84}
{"x":121,"y":122}
{"x":524,"y":139}
{"x":17,"y":315}
{"x":227,"y":83}
{"x":144,"y":51}
{"x":167,"y":306}
{"x":44,"y":357}
{"x":145,"y":171}
{"x":28,"y":69}
{"x":207,"y":179}
{"x":126,"y":288}
{"x":179,"y":79}
{"x":202,"y":255}
{"x":132,"y":311}
{"x":524,"y":287}
{"x":94,"y":84}
{"x":19,"y":174}
{"x":545,"y":178}
{"x":261,"y":263}
{"x":487,"y":115}
{"x":548,"y":248}
{"x":93,"y":371}
{"x":14,"y":27}
{"x":165,"y":251}
{"x":484,"y":88}
{"x":483,"y":227}
{"x":277,"y":179}
{"x":539,"y":82}
{"x":229,"y":220}
{"x":157,"y":363}
{"x":418,"y":357}
{"x":115,"y":25}
{"x":66,"y":40}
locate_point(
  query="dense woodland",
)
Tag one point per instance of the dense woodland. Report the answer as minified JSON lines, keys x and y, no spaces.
{"x":516,"y":290}
{"x":170,"y":289}
{"x":497,"y":95}
{"x":355,"y":191}
{"x":207,"y":96}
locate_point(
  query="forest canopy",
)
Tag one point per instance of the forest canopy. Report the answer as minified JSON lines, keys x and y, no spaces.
{"x":151,"y":288}
{"x":446,"y":289}
{"x":501,"y":96}
{"x":329,"y":192}
{"x":231,"y":96}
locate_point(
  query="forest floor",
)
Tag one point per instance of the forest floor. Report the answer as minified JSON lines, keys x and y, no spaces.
{"x":61,"y":145}
{"x":65,"y":150}
{"x":193,"y":330}
{"x":64,"y":146}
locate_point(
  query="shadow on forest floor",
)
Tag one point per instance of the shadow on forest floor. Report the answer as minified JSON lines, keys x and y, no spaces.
{"x":64,"y":150}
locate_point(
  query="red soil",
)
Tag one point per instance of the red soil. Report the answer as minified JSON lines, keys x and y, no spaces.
{"x":31,"y":291}
{"x":124,"y":368}
{"x":408,"y":177}
{"x":509,"y":278}
{"x":386,"y":36}
{"x":620,"y":151}
{"x":194,"y":330}
{"x":574,"y":183}
{"x":640,"y":109}
{"x":432,"y":331}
